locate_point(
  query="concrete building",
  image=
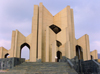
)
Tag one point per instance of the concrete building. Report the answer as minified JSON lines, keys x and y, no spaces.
{"x":52,"y":37}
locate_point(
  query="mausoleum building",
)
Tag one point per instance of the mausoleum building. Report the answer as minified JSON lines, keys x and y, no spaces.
{"x":52,"y":37}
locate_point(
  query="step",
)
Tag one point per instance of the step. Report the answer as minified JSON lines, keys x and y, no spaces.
{"x":35,"y":73}
{"x":42,"y":68}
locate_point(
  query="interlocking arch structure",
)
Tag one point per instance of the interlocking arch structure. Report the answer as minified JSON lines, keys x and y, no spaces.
{"x":49,"y":35}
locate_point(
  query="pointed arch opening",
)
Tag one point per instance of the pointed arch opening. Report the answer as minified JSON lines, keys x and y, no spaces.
{"x":25,"y":51}
{"x":6,"y":55}
{"x":59,"y":56}
{"x":91,"y":57}
{"x":55,"y":28}
{"x":58,"y":43}
{"x":79,"y":52}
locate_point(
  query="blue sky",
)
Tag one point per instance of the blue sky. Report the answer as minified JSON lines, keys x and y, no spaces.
{"x":17,"y":14}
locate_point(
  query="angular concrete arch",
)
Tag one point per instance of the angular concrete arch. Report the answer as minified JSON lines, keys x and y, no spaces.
{"x":94,"y":54}
{"x":18,"y":41}
{"x":55,"y":28}
{"x":79,"y":52}
{"x":3,"y":52}
{"x":49,"y":35}
{"x":6,"y":55}
{"x":24,"y":44}
{"x":58,"y":43}
{"x":59,"y":55}
{"x":84,"y":43}
{"x":91,"y":57}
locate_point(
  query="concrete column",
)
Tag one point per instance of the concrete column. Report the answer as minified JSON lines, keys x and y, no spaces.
{"x":67,"y":45}
{"x":96,"y":54}
{"x":70,"y":30}
{"x":1,"y":52}
{"x":16,"y":43}
{"x":53,"y":51}
{"x":47,"y":44}
{"x":67,"y":51}
{"x":40,"y":31}
{"x":69,"y":23}
{"x":73,"y":33}
{"x":33,"y":48}
{"x":12,"y":44}
{"x":87,"y":47}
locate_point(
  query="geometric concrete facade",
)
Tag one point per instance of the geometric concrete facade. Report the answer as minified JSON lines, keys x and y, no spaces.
{"x":94,"y":54}
{"x":51,"y":37}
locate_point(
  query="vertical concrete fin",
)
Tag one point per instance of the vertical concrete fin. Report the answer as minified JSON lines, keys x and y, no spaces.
{"x":94,"y":54}
{"x":1,"y":52}
{"x":84,"y":43}
{"x":73,"y":33}
{"x":47,"y":20}
{"x":4,"y":52}
{"x":40,"y":31}
{"x":67,"y":45}
{"x":33,"y":50}
{"x":16,"y":43}
{"x":52,"y":38}
{"x":87,"y":47}
{"x":69,"y":22}
{"x":21,"y":39}
{"x":53,"y":51}
{"x":67,"y":50}
{"x":70,"y":30}
{"x":12,"y":44}
{"x":47,"y":44}
{"x":35,"y":18}
{"x":72,"y":23}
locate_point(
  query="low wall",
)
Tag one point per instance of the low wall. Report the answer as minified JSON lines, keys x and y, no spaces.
{"x":8,"y":63}
{"x":83,"y":67}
